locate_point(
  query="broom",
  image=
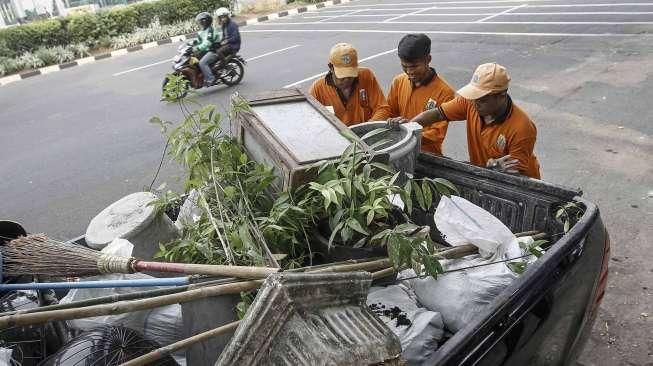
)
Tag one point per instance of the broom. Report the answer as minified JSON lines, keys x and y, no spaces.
{"x":39,"y":255}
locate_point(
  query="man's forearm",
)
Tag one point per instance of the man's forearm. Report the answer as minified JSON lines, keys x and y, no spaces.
{"x":426,"y":118}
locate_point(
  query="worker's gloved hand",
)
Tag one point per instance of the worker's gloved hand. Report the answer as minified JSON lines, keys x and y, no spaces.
{"x":395,"y":122}
{"x":505,"y":164}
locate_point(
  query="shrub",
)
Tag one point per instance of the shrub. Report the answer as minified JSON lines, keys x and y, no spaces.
{"x":80,"y":50}
{"x":47,"y":55}
{"x":63,"y":54}
{"x":28,"y":37}
{"x":28,"y":60}
{"x":85,"y":28}
{"x":9,"y":66}
{"x":94,"y":29}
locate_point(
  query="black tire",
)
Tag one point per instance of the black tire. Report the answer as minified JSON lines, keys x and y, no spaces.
{"x":183,"y":93}
{"x":232,"y":73}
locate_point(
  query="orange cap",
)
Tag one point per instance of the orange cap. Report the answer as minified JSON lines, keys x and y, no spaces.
{"x":344,"y":59}
{"x":487,"y":79}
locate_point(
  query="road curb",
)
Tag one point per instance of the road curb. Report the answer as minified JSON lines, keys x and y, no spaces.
{"x":124,"y":51}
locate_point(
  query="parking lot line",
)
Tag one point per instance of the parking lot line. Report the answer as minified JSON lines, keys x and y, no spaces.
{"x":486,"y":14}
{"x":272,"y":52}
{"x":350,"y":13}
{"x":324,"y":73}
{"x":465,"y":33}
{"x":408,"y":14}
{"x":501,"y":13}
{"x":426,"y":4}
{"x":463,"y":23}
{"x":170,"y":59}
{"x":533,"y":6}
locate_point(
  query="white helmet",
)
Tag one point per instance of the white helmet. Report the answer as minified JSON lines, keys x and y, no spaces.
{"x":222,"y":12}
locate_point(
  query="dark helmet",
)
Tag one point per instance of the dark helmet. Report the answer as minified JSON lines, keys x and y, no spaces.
{"x":204,"y":16}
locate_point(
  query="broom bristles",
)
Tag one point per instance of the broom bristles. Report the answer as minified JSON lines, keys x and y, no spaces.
{"x":39,"y":255}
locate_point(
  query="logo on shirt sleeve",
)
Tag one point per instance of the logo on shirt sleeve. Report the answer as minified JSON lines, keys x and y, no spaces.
{"x":501,"y":142}
{"x":430,"y":104}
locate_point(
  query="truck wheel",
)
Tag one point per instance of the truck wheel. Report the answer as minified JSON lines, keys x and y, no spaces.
{"x":233,"y":72}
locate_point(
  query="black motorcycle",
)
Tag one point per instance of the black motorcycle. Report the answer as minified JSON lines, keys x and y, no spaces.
{"x":229,"y":71}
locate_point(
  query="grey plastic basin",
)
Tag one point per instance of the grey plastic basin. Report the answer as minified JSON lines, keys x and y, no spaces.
{"x":403,"y":144}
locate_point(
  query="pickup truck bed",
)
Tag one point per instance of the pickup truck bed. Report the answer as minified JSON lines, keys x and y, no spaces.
{"x":544,"y":317}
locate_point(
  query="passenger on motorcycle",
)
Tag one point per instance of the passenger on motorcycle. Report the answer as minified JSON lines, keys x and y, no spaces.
{"x":205,"y":43}
{"x":230,"y":43}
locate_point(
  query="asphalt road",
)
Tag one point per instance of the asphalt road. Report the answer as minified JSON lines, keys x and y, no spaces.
{"x":74,"y":141}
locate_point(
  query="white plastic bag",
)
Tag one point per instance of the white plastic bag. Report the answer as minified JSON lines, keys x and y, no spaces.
{"x":462,"y":222}
{"x":419,"y":340}
{"x":5,"y":356}
{"x":461,"y":295}
{"x":190,"y":212}
{"x":163,"y":324}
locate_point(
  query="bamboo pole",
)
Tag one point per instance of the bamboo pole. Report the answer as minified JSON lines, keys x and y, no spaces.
{"x":127,"y":306}
{"x":383,"y":273}
{"x":457,"y":251}
{"x":368,"y":266}
{"x":162,"y":352}
{"x":119,"y":297}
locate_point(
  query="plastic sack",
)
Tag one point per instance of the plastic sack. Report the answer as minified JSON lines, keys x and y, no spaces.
{"x":163,"y":324}
{"x":419,"y":330}
{"x":462,"y":222}
{"x":461,"y":295}
{"x":6,"y":356}
{"x":189,"y":213}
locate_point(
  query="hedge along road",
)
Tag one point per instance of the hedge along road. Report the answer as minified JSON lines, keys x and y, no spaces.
{"x":74,"y":141}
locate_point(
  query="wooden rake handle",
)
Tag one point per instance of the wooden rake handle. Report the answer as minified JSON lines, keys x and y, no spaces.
{"x":205,"y":269}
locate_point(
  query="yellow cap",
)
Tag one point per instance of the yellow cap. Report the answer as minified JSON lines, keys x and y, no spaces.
{"x":488,"y":78}
{"x":344,"y":59}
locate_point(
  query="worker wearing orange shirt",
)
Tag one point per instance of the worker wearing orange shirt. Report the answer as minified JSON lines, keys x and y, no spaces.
{"x":418,"y":89}
{"x":353,"y":92}
{"x":500,"y":135}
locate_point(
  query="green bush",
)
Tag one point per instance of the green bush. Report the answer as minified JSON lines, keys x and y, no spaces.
{"x":9,"y":66}
{"x":90,"y":28}
{"x":47,"y":55}
{"x":28,"y":60}
{"x":28,"y":37}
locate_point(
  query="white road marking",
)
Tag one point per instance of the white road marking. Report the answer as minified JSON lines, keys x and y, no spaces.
{"x":481,"y":7}
{"x":425,"y":4}
{"x":500,"y":13}
{"x":142,"y":67}
{"x":511,"y":13}
{"x":528,"y":34}
{"x":485,"y":14}
{"x":272,"y":53}
{"x":341,"y":15}
{"x":168,"y":60}
{"x":408,"y":14}
{"x":398,"y":15}
{"x":324,"y":73}
{"x":489,"y":23}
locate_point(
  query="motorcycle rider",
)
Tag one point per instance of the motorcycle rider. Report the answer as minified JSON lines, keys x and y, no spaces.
{"x":205,"y":43}
{"x":230,"y":43}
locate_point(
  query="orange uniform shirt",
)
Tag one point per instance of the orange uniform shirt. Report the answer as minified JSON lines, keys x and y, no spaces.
{"x":407,"y":101}
{"x":515,"y":136}
{"x":354,"y":110}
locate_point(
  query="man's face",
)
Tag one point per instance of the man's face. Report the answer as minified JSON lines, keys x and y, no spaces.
{"x":416,"y":69}
{"x":492,"y":104}
{"x":223,"y":19}
{"x":341,"y":83}
{"x":204,"y":23}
